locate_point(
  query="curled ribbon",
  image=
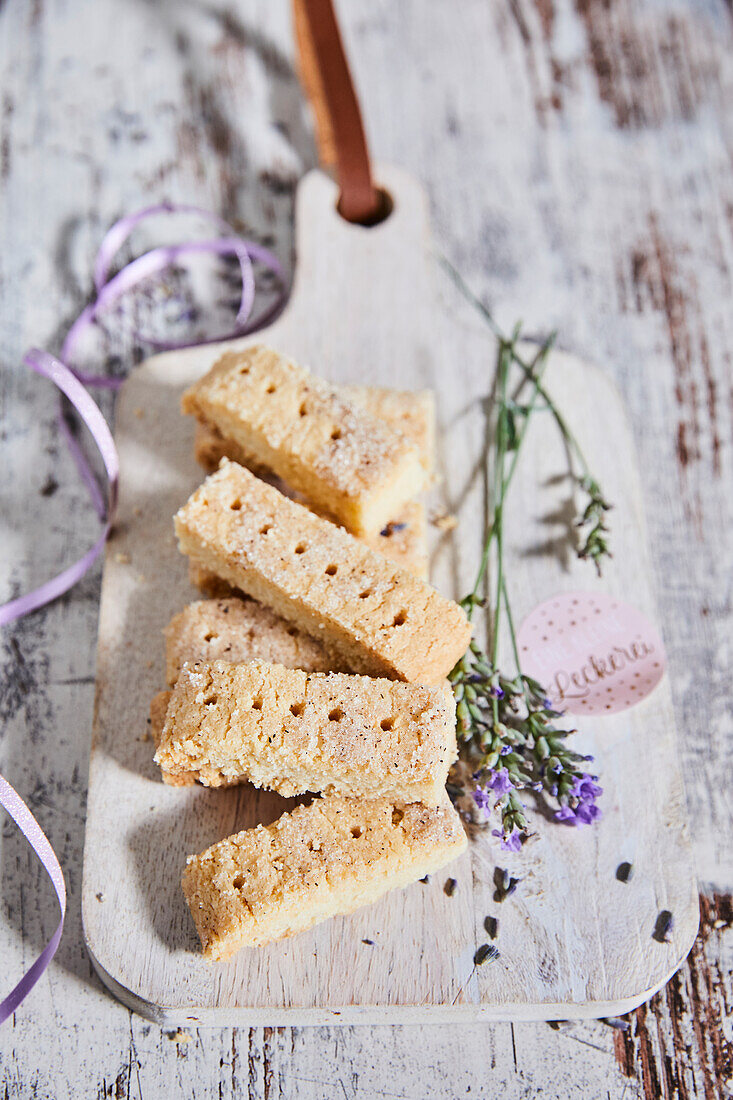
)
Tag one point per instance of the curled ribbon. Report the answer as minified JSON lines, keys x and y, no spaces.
{"x":71,"y":384}
{"x":26,"y":822}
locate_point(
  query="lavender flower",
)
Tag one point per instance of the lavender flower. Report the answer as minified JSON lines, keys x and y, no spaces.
{"x":499,"y":781}
{"x":583,"y":811}
{"x":482,"y":799}
{"x":510,"y":843}
{"x":585,"y":788}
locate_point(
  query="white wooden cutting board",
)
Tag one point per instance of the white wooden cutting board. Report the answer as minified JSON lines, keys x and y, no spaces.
{"x":573,"y":940}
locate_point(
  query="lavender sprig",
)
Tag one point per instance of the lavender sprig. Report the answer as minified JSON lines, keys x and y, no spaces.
{"x":591,"y":517}
{"x":507,"y":727}
{"x":593,"y":526}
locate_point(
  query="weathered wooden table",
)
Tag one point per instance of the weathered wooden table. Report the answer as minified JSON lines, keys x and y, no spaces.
{"x":578,"y":161}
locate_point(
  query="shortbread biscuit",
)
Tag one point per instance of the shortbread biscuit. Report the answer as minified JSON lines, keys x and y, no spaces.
{"x":158,"y":708}
{"x":236,"y":630}
{"x":407,"y":411}
{"x":321,"y":860}
{"x":403,"y":541}
{"x":295,"y":732}
{"x":342,"y":458}
{"x":210,"y":446}
{"x":379,"y":619}
{"x":213,"y":587}
{"x":412,"y":413}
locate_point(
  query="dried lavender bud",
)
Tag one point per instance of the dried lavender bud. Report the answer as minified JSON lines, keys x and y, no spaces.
{"x":391,"y":528}
{"x":625,"y":872}
{"x":491,"y":924}
{"x":486,"y":952}
{"x":663,"y":926}
{"x":450,"y":887}
{"x":426,"y":879}
{"x":505,"y":883}
{"x":369,"y":943}
{"x":615,"y":1022}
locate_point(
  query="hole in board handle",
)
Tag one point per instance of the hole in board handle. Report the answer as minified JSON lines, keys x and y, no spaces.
{"x":382,"y":210}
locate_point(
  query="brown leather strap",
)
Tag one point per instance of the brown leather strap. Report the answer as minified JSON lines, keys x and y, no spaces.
{"x":340,"y":134}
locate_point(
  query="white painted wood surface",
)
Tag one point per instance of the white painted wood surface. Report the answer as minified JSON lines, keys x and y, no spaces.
{"x":574,"y":941}
{"x":577,"y":160}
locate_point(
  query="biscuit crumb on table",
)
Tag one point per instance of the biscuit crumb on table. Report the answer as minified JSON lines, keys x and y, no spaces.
{"x":335,"y":452}
{"x":328,"y":858}
{"x":380,"y":619}
{"x":295,"y":732}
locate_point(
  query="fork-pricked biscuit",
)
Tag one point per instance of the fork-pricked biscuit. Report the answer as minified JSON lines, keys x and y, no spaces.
{"x":318,"y":861}
{"x":342,"y":458}
{"x":380,"y":619}
{"x":237,"y":630}
{"x":158,"y":711}
{"x":403,"y":541}
{"x":296,"y":732}
{"x":412,"y":413}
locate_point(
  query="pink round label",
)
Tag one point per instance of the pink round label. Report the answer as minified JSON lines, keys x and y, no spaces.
{"x":594,"y":654}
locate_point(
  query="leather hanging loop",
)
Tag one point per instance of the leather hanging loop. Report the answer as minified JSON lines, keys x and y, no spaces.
{"x":326,"y":78}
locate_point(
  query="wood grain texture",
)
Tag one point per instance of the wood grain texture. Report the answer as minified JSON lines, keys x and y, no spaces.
{"x":555,"y":209}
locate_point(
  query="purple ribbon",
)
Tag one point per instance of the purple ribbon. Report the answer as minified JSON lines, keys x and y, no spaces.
{"x":26,"y":822}
{"x":71,"y":385}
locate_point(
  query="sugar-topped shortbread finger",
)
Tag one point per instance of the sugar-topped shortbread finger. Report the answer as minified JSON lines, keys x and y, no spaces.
{"x":412,"y":413}
{"x":238,"y":630}
{"x":403,"y":541}
{"x":295,"y":732}
{"x":380,"y":619}
{"x":316,"y":862}
{"x":341,"y":457}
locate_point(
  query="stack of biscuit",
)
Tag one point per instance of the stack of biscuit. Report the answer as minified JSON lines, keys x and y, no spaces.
{"x":318,"y":664}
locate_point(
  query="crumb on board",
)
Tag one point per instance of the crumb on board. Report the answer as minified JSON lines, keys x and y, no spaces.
{"x":139,"y":413}
{"x":122,"y":558}
{"x":180,"y":1036}
{"x":445,"y":522}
